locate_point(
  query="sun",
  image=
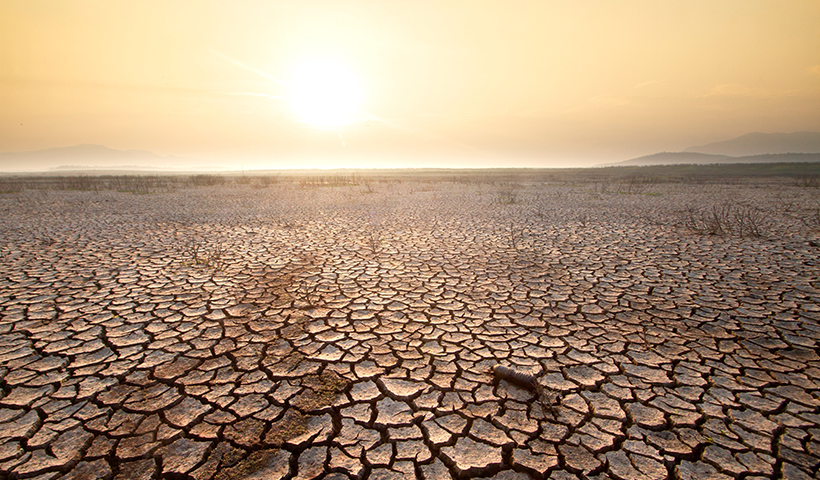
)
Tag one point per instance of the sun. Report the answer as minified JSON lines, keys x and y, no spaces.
{"x":324,"y":93}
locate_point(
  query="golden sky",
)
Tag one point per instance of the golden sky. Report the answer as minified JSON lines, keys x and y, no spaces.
{"x":411,"y":83}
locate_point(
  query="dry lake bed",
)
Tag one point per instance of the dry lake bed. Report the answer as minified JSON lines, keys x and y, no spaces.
{"x":288,"y":330}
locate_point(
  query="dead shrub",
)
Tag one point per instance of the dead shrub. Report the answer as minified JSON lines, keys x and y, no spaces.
{"x":506,"y":196}
{"x":811,"y":218}
{"x":200,"y":254}
{"x":725,"y":220}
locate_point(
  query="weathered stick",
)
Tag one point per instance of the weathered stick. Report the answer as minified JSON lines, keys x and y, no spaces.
{"x":521,"y":379}
{"x":528,"y":381}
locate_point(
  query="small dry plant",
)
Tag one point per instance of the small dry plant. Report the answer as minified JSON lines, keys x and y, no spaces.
{"x":373,"y":240}
{"x":309,"y":294}
{"x":811,"y":218}
{"x":202,"y":255}
{"x":811,"y":181}
{"x":516,"y":236}
{"x":506,"y":196}
{"x":633,"y":185}
{"x":726,"y":219}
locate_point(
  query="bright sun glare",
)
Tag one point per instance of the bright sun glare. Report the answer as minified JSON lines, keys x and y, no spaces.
{"x":324,"y":93}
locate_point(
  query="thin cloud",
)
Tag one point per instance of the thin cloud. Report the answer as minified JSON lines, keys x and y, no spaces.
{"x":255,"y":70}
{"x":609,"y":101}
{"x":739,"y":90}
{"x":815,"y":70}
{"x":418,"y":132}
{"x":252,"y":94}
{"x":647,"y":83}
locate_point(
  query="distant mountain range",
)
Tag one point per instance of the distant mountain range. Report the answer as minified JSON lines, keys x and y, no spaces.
{"x":692,"y":158}
{"x":754,"y":147}
{"x":762,"y":143}
{"x":799,"y":147}
{"x":89,"y":157}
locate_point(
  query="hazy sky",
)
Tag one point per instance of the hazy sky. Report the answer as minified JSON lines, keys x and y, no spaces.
{"x":405,"y":83}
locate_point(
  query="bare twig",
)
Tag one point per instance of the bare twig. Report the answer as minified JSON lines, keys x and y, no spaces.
{"x":726,"y":219}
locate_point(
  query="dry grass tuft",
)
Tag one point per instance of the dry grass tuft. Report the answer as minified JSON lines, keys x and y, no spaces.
{"x":320,"y":391}
{"x":292,"y":424}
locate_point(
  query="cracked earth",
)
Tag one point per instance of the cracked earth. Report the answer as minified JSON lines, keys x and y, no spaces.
{"x":234,"y":332}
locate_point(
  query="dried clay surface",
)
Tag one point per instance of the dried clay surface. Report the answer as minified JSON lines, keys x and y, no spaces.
{"x":287,"y":332}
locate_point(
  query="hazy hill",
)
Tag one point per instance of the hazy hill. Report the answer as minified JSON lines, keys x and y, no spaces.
{"x":86,"y":156}
{"x":798,"y":147}
{"x":691,"y":158}
{"x":762,"y":143}
{"x":675,"y":158}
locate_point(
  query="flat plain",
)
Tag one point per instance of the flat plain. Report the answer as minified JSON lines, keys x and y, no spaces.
{"x":349,"y":329}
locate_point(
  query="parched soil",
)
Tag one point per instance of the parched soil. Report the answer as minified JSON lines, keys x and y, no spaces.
{"x":350,"y":331}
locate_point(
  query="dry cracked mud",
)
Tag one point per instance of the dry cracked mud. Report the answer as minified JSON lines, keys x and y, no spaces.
{"x":234,"y":332}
